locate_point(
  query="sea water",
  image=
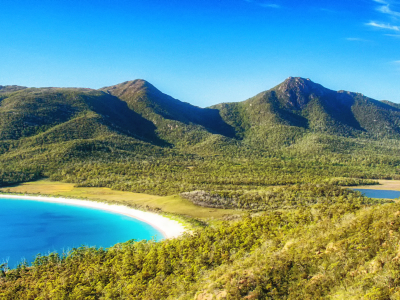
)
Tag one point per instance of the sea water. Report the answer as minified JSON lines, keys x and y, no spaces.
{"x":28,"y":228}
{"x":380,"y":194}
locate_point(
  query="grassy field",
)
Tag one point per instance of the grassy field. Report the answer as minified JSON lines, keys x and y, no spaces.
{"x":391,"y":185}
{"x":169,"y":204}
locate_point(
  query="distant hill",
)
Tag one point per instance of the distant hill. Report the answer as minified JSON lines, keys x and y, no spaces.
{"x":11,"y":88}
{"x":301,"y":103}
{"x":280,"y":116}
{"x":177,"y":122}
{"x":43,"y":130}
{"x":69,"y":114}
{"x":299,"y":111}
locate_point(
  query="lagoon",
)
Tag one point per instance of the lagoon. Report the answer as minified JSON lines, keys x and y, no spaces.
{"x":380,"y":194}
{"x":31,"y":227}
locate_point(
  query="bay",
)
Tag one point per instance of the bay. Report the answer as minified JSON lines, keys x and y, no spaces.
{"x":31,"y":227}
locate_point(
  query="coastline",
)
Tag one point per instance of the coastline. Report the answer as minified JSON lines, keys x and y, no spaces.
{"x":167,"y":227}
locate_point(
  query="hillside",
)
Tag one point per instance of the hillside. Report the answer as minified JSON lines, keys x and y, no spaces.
{"x":343,"y":247}
{"x":177,"y":122}
{"x":43,"y":128}
{"x":292,"y":109}
{"x":296,"y":132}
{"x":31,"y":111}
{"x":11,"y":88}
{"x":299,"y":106}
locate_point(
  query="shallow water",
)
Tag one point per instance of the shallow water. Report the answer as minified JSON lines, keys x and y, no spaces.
{"x":31,"y":227}
{"x":380,"y":194}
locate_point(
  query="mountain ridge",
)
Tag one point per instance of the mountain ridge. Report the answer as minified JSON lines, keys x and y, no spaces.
{"x":296,"y":106}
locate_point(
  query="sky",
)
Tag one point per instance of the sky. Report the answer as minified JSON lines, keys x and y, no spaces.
{"x":203,"y":51}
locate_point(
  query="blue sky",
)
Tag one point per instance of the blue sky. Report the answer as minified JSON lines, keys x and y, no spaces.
{"x":201,"y":51}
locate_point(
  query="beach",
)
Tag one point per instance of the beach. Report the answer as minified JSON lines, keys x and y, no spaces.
{"x":169,"y":228}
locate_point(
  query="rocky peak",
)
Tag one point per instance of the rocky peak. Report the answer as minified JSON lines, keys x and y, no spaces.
{"x":129,"y":88}
{"x":297,"y":91}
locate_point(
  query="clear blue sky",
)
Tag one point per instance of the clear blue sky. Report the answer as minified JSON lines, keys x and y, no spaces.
{"x":203,"y":51}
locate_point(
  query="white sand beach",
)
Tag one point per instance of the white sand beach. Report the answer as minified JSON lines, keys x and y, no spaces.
{"x":169,"y":228}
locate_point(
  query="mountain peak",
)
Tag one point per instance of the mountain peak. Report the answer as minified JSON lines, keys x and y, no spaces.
{"x":297,"y":91}
{"x":129,"y":88}
{"x":302,"y":85}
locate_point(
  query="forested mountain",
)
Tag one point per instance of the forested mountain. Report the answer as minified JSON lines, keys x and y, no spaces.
{"x":41,"y":128}
{"x":298,"y":106}
{"x":177,"y":122}
{"x":137,"y":109}
{"x":68,"y":114}
{"x":63,"y":132}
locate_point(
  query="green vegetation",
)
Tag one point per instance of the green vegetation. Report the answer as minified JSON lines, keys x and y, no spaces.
{"x":173,"y":205}
{"x":291,"y":197}
{"x":307,"y":253}
{"x":134,"y":138}
{"x":265,"y":174}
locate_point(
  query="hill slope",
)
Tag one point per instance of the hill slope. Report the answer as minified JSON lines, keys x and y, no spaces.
{"x":32,"y":111}
{"x":304,"y":104}
{"x":135,"y":131}
{"x":11,"y":88}
{"x":299,"y":111}
{"x":177,"y":122}
{"x":42,"y":128}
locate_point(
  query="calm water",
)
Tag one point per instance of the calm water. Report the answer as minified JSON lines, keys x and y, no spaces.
{"x":31,"y":227}
{"x":382,"y":194}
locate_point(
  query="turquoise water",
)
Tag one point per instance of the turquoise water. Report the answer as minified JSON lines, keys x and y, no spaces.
{"x":31,"y":227}
{"x":380,"y":194}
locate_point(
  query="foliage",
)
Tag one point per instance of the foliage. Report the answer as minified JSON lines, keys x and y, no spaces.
{"x":282,"y":155}
{"x":181,"y":267}
{"x":290,"y":197}
{"x":133,"y":137}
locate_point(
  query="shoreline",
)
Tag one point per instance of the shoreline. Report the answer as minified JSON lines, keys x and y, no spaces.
{"x":384,"y":184}
{"x":167,"y":227}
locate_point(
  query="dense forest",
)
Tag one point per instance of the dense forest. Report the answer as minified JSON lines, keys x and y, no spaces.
{"x":133,"y":137}
{"x":283,"y":156}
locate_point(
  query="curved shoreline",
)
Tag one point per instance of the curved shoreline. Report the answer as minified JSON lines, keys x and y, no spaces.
{"x":167,"y":227}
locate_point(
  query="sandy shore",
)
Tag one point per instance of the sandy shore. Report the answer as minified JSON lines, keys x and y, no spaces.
{"x":169,"y":228}
{"x":390,"y":185}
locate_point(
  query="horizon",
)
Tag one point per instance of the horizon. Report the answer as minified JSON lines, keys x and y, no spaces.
{"x":202,"y":52}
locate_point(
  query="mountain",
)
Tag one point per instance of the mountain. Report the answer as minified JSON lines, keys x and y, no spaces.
{"x":47,"y":129}
{"x":298,"y":106}
{"x":176,"y":121}
{"x":44,"y":131}
{"x":279,"y":117}
{"x":69,"y":114}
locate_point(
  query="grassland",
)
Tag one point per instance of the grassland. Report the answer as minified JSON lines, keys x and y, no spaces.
{"x":391,"y":185}
{"x":169,"y":204}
